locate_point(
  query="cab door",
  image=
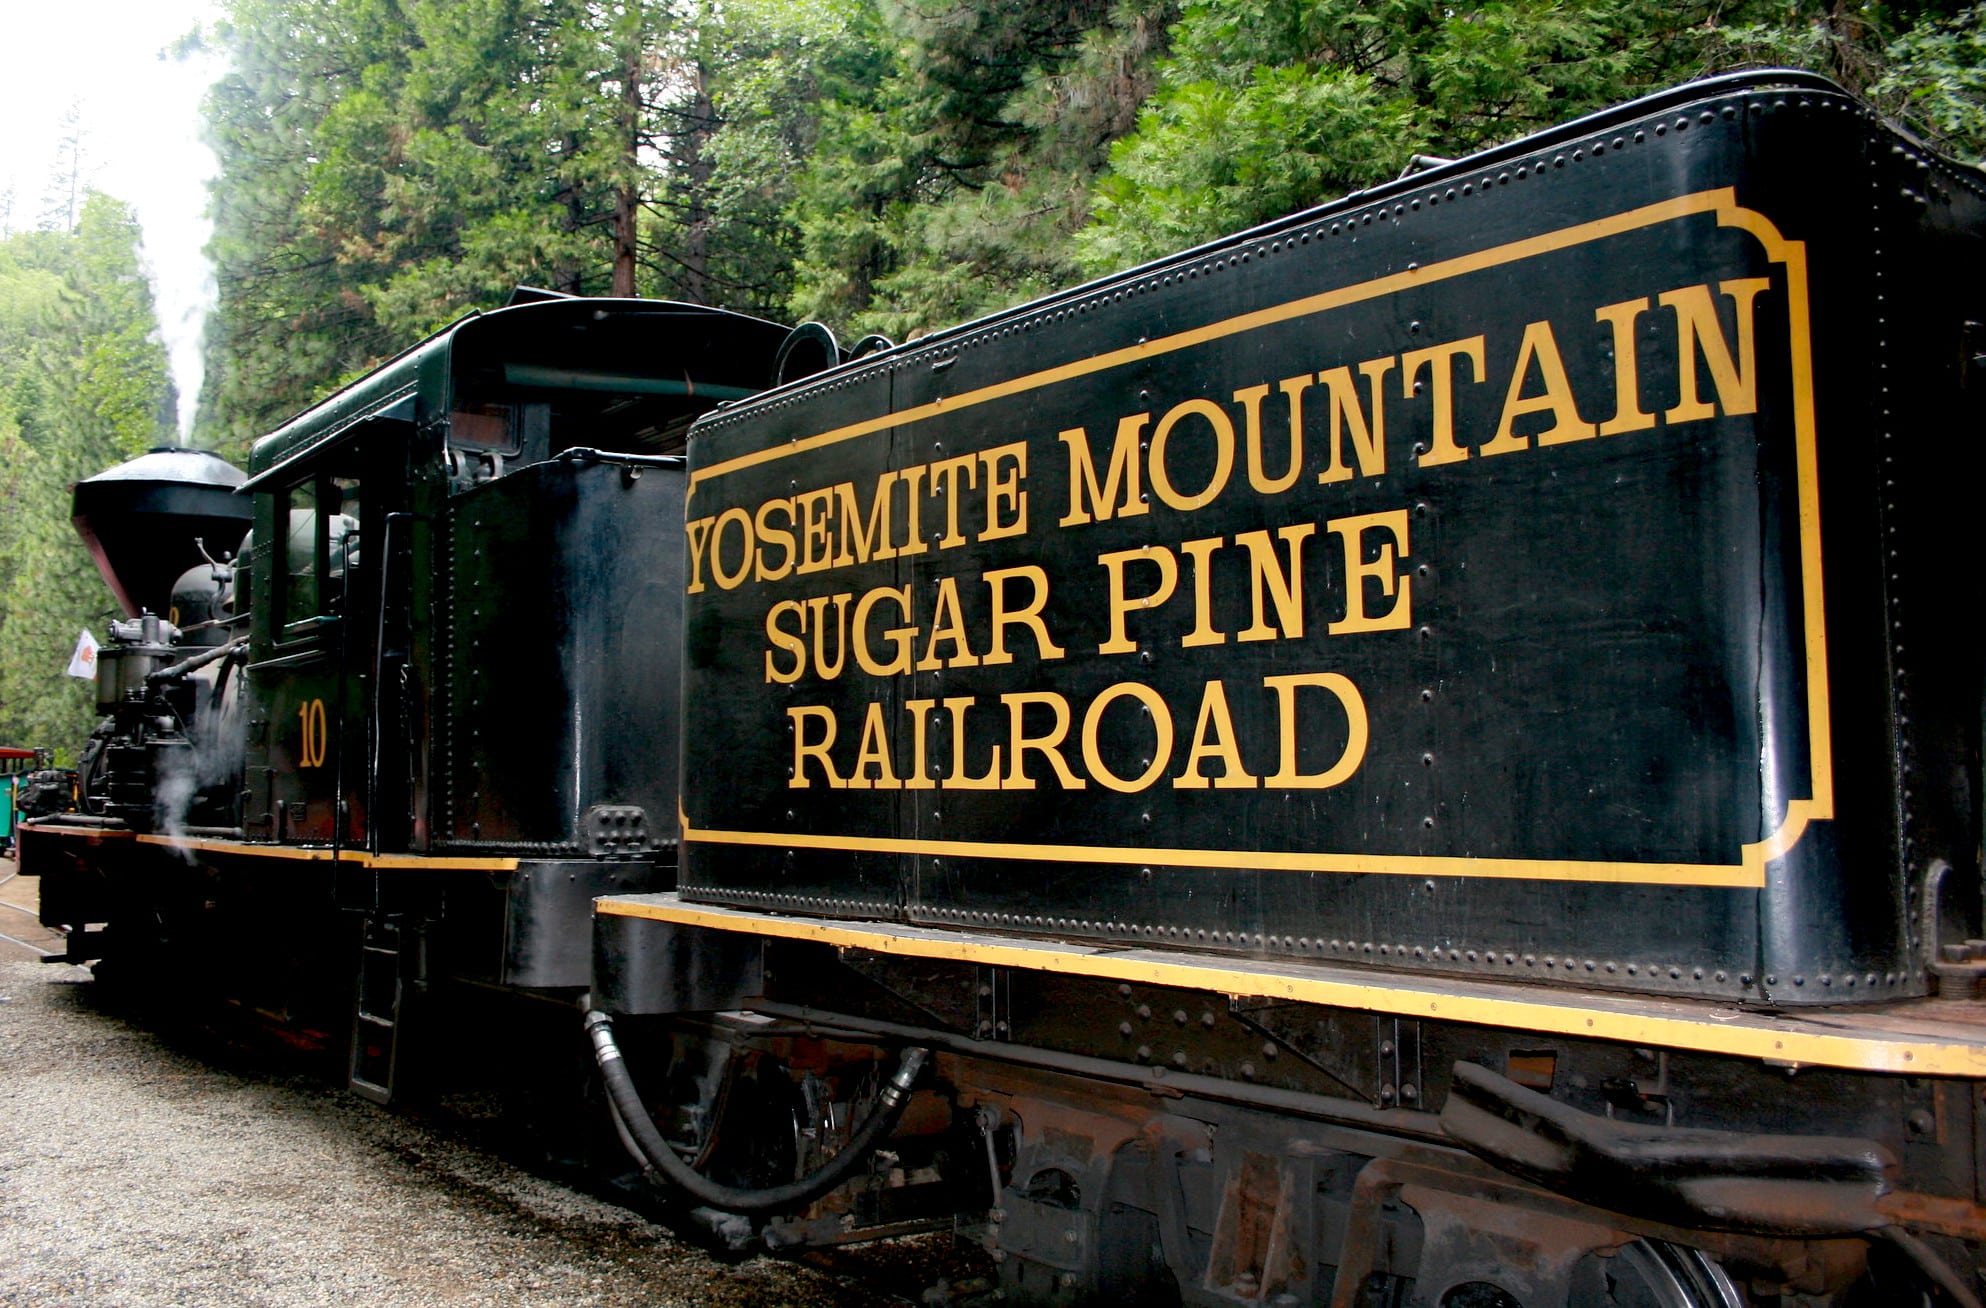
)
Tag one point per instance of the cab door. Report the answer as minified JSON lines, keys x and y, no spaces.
{"x":307,"y":755}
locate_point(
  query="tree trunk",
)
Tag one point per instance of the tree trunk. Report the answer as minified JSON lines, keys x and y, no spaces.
{"x":627,"y":231}
{"x":701,"y":123}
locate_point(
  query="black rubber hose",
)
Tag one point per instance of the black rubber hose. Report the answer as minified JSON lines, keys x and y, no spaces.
{"x":1937,"y":1270}
{"x":653,"y":1152}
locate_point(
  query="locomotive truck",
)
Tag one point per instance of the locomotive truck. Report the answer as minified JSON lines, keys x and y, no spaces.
{"x":1421,"y":753}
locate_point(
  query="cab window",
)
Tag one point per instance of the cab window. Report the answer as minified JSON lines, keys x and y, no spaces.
{"x":321,"y":546}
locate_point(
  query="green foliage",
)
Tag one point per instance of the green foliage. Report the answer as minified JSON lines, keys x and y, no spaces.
{"x":952,"y":183}
{"x":291,"y":320}
{"x":388,"y":165}
{"x":1268,"y":106}
{"x":83,"y":385}
{"x":1935,"y":81}
{"x":890,"y":165}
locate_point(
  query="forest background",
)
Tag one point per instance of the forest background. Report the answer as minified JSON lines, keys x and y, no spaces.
{"x":879,"y":165}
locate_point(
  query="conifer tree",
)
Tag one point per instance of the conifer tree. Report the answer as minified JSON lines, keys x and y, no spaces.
{"x":952,"y":183}
{"x":83,"y":385}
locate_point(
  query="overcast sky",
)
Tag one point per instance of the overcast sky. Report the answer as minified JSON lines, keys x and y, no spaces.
{"x":140,"y":115}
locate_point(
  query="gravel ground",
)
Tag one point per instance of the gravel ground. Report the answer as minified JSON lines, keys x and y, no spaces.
{"x":134,"y":1174}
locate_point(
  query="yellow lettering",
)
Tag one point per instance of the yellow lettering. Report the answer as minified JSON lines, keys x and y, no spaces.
{"x":1266,"y":574}
{"x":920,"y":712}
{"x":1628,"y":413}
{"x":1348,"y":418}
{"x":1005,"y":490}
{"x":959,"y":778}
{"x":948,"y":471}
{"x":817,"y":611}
{"x":1697,"y":328}
{"x":804,"y":749}
{"x":1223,"y":429}
{"x":786,"y":640}
{"x":1049,"y":746}
{"x":698,"y":532}
{"x":1540,"y":347}
{"x":1357,"y":571}
{"x":863,"y":539}
{"x":1250,"y":401}
{"x":1113,"y":566}
{"x":816,"y":525}
{"x":1440,"y":363}
{"x":730,"y":581}
{"x":913,"y":482}
{"x":1213,"y":738}
{"x":874,"y":750}
{"x":947,"y":623}
{"x":1203,"y":633}
{"x":1161,"y":716}
{"x":771,"y":535}
{"x":1029,"y":617}
{"x":1286,"y":777}
{"x":901,"y":637}
{"x":1123,"y":472}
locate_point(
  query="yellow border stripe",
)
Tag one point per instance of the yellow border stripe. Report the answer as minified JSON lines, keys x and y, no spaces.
{"x":1807,"y":455}
{"x":1747,"y":873}
{"x":1693,"y":874}
{"x":1711,"y":1028}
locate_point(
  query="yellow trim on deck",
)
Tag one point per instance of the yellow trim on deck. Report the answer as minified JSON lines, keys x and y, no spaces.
{"x":102,"y":833}
{"x":1857,"y":1041}
{"x":314,"y":854}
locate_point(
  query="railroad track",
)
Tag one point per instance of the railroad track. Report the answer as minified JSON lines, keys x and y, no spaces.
{"x":23,"y":910}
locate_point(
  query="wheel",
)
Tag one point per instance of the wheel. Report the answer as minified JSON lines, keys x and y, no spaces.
{"x":1654,"y":1274}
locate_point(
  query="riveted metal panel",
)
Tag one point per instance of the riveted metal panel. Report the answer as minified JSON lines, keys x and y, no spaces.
{"x":1565,"y":647}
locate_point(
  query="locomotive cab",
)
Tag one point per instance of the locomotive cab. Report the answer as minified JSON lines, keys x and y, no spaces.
{"x":400,"y":502}
{"x":407,"y":709}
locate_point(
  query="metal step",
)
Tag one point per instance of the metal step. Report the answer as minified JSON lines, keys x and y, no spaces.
{"x":376,"y":1012}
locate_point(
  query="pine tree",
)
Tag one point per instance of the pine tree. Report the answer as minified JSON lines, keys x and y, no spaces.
{"x":388,"y":165}
{"x":83,"y":385}
{"x":291,"y":319}
{"x":953,"y":181}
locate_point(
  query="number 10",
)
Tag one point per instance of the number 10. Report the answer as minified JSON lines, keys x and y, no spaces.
{"x":315,"y":734}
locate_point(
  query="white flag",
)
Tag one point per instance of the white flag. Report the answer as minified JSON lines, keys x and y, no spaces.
{"x":84,"y":663}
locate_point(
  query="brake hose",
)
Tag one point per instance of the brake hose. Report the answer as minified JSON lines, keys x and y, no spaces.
{"x":655,"y":1153}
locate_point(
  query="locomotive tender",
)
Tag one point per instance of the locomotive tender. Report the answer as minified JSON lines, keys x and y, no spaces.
{"x":1412,"y":755}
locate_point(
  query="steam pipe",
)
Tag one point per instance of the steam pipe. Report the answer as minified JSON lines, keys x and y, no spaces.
{"x":587,"y":454}
{"x":654,"y":1153}
{"x":89,"y":820}
{"x":174,"y":671}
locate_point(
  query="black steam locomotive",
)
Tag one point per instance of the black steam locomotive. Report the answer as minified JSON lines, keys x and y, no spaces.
{"x":1423,"y":753}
